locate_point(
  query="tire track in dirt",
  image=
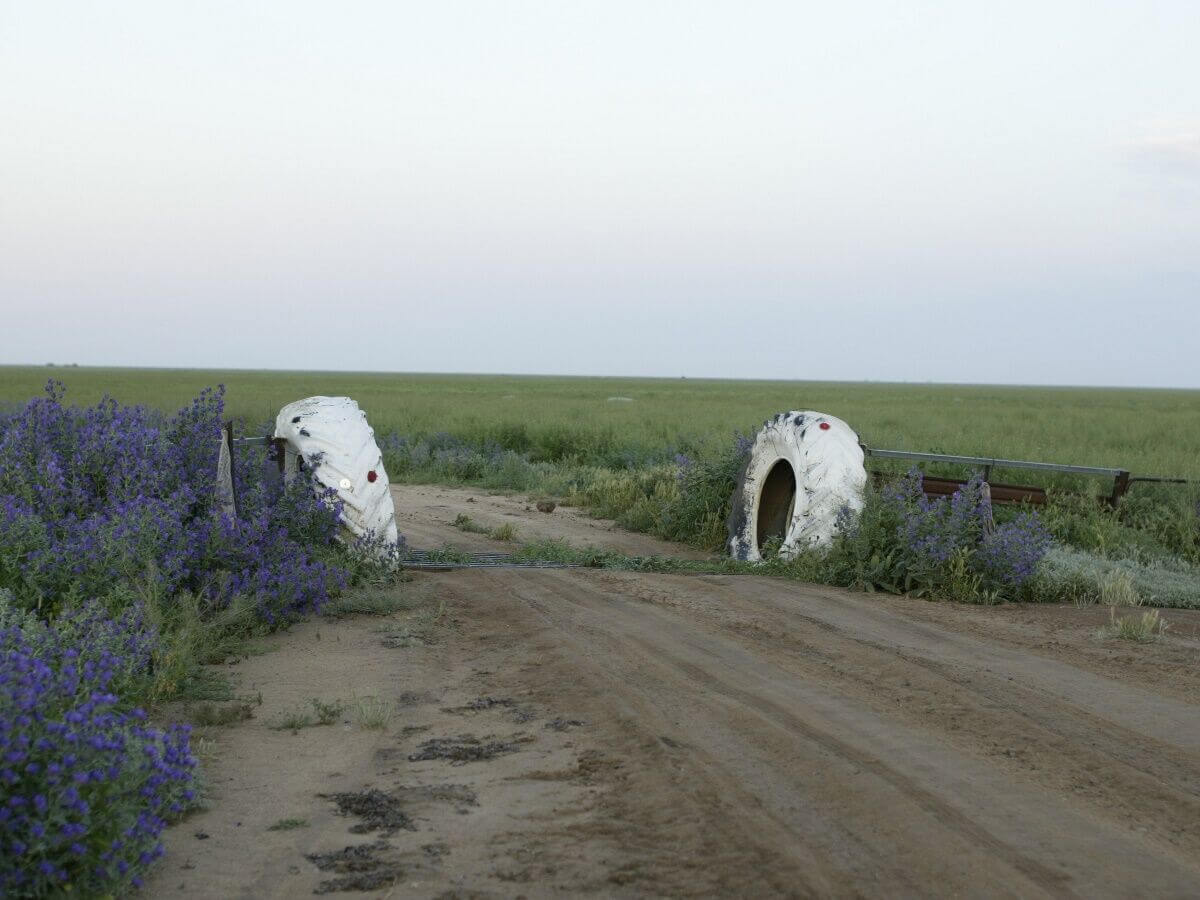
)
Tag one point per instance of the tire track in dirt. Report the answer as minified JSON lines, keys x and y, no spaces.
{"x":720,"y":736}
{"x":1132,"y":707}
{"x":1003,"y":822}
{"x":1149,"y":780}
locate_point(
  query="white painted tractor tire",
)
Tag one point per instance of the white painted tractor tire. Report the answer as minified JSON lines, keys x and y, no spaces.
{"x":333,"y":433}
{"x":804,"y":474}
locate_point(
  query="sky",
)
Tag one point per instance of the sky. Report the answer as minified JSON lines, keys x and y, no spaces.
{"x":919,"y":191}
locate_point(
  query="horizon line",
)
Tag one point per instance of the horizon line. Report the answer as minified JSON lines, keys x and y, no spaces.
{"x":665,"y":378}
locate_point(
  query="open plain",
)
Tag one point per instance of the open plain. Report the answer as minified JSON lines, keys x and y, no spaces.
{"x":573,"y":731}
{"x":625,"y":420}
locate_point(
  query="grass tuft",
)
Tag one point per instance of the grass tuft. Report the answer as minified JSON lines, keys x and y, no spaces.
{"x":1146,"y":628}
{"x":463,"y":522}
{"x":373,"y":712}
{"x":1116,"y":589}
{"x":505,"y":532}
{"x":323,"y":713}
{"x":288,"y":824}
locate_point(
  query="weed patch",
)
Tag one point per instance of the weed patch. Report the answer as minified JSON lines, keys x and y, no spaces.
{"x":288,"y":824}
{"x":322,"y":713}
{"x":463,"y":522}
{"x":212,"y":714}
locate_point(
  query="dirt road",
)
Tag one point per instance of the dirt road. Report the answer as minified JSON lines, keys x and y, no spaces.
{"x":629,"y":735}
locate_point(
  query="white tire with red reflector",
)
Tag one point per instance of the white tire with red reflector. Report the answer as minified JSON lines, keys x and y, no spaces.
{"x":804,"y":474}
{"x":331,"y":437}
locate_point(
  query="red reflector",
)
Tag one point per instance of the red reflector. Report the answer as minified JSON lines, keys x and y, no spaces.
{"x":371,"y":476}
{"x":824,"y":426}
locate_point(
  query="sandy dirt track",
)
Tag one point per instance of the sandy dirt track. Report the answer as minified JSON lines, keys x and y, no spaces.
{"x":695,"y":736}
{"x":424,"y":514}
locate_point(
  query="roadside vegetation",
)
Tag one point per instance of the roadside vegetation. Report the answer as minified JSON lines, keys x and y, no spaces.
{"x":1060,"y":552}
{"x":120,"y":577}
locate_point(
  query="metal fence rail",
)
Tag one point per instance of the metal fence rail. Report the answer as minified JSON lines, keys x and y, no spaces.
{"x":1122,"y":478}
{"x":991,"y":462}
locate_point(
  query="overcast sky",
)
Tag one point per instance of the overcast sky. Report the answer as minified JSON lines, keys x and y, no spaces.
{"x":910,"y":191}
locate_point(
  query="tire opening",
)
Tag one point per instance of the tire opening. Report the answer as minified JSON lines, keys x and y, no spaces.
{"x":775,"y":503}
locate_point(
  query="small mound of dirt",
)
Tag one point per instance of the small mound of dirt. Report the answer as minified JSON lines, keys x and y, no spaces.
{"x":463,"y":749}
{"x":379,"y":811}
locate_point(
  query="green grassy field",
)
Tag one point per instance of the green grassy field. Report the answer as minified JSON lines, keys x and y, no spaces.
{"x":1146,"y":431}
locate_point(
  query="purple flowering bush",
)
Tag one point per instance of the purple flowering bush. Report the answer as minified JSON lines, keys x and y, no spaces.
{"x":107,"y":495}
{"x":86,"y":785}
{"x":906,"y":541}
{"x":119,"y":571}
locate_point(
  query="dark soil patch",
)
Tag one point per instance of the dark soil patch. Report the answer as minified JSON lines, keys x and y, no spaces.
{"x":415,"y":698}
{"x":479,"y":704}
{"x":379,"y":811}
{"x":403,"y":641}
{"x":360,"y":867}
{"x":564,"y":724}
{"x":520,"y":714}
{"x":464,"y":749}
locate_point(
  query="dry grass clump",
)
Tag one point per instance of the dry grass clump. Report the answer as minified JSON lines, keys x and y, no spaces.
{"x":1117,"y":589}
{"x":1143,"y":629}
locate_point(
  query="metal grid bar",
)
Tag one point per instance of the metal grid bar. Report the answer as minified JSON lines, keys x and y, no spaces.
{"x":421,"y":559}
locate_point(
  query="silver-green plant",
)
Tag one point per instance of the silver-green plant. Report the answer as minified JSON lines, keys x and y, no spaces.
{"x":373,"y":712}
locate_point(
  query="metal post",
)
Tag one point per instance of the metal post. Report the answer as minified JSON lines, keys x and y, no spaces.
{"x":232,"y":468}
{"x":1120,"y":486}
{"x":989,"y":523}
